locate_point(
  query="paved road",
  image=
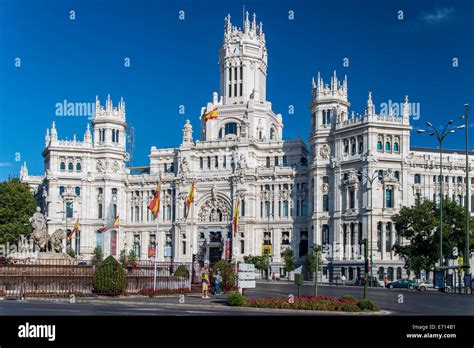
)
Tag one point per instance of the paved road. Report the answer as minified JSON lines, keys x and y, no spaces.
{"x":397,"y":301}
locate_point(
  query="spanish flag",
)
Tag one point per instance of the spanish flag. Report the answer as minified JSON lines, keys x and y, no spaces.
{"x":190,"y":199}
{"x":76,"y":228}
{"x":154,"y":205}
{"x":236,"y":218}
{"x":113,"y":225}
{"x":211,"y":115}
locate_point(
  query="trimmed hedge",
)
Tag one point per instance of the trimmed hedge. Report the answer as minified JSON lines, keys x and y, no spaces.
{"x":109,"y":278}
{"x":181,"y":271}
{"x":368,"y":305}
{"x":235,"y":299}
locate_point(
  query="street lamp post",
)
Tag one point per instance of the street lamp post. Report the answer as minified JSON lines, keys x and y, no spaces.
{"x":440,"y":137}
{"x":368,"y":240}
{"x":467,"y":254}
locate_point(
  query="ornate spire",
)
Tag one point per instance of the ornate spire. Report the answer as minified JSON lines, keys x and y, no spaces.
{"x":406,"y":108}
{"x":23,"y":171}
{"x":54,"y":133}
{"x":88,"y":135}
{"x":47,"y":138}
{"x":254,"y":22}
{"x":344,"y":85}
{"x":260,"y":30}
{"x":246,"y":22}
{"x":313,"y":83}
{"x":108,"y":104}
{"x":370,"y":110}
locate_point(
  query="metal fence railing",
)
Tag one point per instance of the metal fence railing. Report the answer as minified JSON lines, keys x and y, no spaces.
{"x":63,"y":277}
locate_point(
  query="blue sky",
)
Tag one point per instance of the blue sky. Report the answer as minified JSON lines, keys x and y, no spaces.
{"x":174,"y":62}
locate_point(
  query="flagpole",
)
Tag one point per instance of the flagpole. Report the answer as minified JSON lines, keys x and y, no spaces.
{"x":156,"y":238}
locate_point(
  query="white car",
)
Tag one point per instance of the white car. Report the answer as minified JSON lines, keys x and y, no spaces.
{"x":424,"y":285}
{"x":428,"y":284}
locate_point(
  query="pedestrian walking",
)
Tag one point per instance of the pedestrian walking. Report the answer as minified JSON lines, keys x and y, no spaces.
{"x":217,"y":283}
{"x":343,"y":279}
{"x":205,"y":283}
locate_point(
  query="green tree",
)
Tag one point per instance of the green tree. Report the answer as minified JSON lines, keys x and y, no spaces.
{"x":97,"y":256}
{"x":419,"y":225}
{"x":109,"y":277}
{"x":311,"y":257}
{"x":17,"y":205}
{"x":288,"y":260}
{"x":262,"y":263}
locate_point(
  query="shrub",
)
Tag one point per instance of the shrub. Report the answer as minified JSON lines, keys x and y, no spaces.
{"x":367,"y":305}
{"x":350,"y":299}
{"x":350,"y":307}
{"x":181,"y":271}
{"x":109,"y":277}
{"x":235,"y":299}
{"x":325,"y":305}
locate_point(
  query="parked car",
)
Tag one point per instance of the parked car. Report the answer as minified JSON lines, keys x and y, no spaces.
{"x":424,"y":285}
{"x":402,"y":283}
{"x":428,"y":284}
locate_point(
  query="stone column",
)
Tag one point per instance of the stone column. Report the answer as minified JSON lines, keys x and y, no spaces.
{"x":356,"y":246}
{"x":349,"y":242}
{"x":383,"y":240}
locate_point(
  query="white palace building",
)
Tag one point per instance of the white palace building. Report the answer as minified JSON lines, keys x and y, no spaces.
{"x":290,"y":195}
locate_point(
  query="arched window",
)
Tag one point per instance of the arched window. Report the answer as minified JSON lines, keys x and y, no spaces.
{"x":346,"y":147}
{"x":62,"y":166}
{"x":260,"y":135}
{"x":78,"y":167}
{"x":268,"y":162}
{"x":272,"y":134}
{"x":379,"y":146}
{"x":388,"y":198}
{"x":285,"y":208}
{"x":399,"y":273}
{"x":61,"y":190}
{"x":390,"y":274}
{"x":304,"y":207}
{"x":417,"y":179}
{"x":221,"y":133}
{"x":137,"y":213}
{"x":387,"y":146}
{"x":113,"y":135}
{"x":168,"y":212}
{"x":114,"y":191}
{"x":267,"y":209}
{"x":397,"y":175}
{"x":325,"y":235}
{"x":351,"y":273}
{"x":77,"y":191}
{"x":117,"y":136}
{"x":285,"y":161}
{"x":231,"y":128}
{"x":70,"y":167}
{"x":396,"y":148}
{"x":381,"y":273}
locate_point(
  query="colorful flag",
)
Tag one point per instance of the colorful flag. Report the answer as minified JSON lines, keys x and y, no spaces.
{"x":190,"y":199}
{"x":154,"y":205}
{"x":114,"y":225}
{"x":211,"y":115}
{"x":236,"y":218}
{"x":76,"y":228}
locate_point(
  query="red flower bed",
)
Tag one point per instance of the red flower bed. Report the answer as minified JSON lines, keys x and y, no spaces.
{"x":319,"y":303}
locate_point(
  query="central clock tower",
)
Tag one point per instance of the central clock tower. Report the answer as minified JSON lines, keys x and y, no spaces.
{"x":243,"y":62}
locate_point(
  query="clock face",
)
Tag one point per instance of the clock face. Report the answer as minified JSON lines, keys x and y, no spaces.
{"x":235,"y":49}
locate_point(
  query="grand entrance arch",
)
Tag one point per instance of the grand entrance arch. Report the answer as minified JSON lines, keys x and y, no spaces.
{"x":214,"y":230}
